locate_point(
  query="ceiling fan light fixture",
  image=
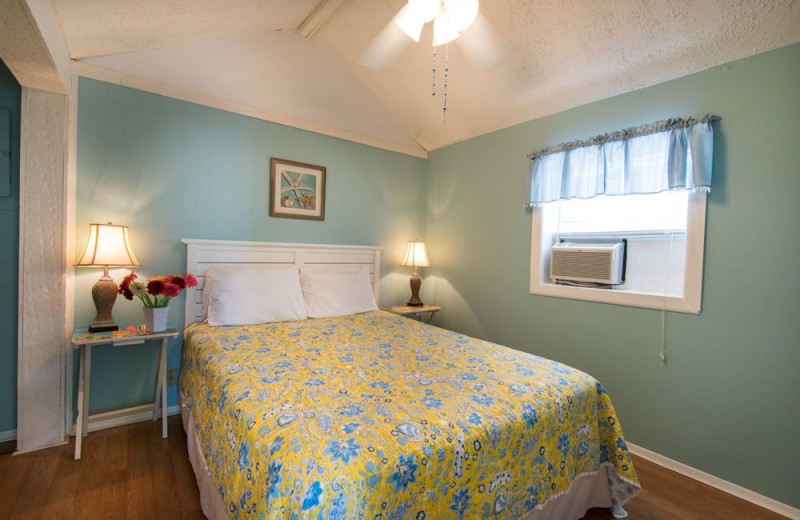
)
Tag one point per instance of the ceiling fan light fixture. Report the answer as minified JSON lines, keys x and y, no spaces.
{"x":443,"y":30}
{"x":424,"y":10}
{"x":461,"y":12}
{"x":410,"y":24}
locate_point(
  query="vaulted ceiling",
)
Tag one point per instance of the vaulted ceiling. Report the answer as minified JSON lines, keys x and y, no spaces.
{"x":342,"y":67}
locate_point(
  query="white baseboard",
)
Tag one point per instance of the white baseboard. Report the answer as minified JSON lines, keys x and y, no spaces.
{"x":716,"y":482}
{"x":121,"y":418}
{"x":10,"y":435}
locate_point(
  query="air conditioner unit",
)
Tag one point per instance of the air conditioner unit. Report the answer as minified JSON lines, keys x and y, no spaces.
{"x":588,"y":263}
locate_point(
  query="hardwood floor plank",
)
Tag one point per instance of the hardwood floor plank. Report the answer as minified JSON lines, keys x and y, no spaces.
{"x":132,"y":473}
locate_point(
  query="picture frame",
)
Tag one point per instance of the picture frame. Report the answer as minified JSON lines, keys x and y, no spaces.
{"x":297,"y":190}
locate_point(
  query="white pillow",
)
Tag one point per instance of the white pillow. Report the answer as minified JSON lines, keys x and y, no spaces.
{"x":328,"y":294}
{"x":340,"y":268}
{"x":248,"y":295}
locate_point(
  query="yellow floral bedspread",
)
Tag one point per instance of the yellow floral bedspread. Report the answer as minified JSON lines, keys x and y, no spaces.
{"x":376,"y":416}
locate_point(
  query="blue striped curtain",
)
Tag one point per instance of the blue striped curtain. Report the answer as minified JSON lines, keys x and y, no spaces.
{"x":675,"y":154}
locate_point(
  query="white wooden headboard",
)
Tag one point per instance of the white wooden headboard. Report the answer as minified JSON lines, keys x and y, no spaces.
{"x":202,"y":254}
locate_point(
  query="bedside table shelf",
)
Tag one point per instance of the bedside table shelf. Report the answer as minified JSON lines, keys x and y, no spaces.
{"x":84,"y":340}
{"x":407,"y":310}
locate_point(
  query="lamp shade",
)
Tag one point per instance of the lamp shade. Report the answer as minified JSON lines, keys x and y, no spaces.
{"x":416,"y":256}
{"x":108,"y":245}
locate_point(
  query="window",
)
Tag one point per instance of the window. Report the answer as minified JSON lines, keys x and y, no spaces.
{"x":645,"y":189}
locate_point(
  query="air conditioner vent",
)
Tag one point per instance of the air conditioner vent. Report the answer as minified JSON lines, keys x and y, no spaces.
{"x":593,"y":263}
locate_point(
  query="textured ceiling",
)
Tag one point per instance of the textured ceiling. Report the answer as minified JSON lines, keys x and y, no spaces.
{"x":521,"y":60}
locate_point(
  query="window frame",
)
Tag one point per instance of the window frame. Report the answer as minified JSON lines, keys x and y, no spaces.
{"x":691,"y":300}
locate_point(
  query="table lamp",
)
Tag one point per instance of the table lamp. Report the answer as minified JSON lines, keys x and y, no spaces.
{"x":415,"y":257}
{"x":107,"y":246}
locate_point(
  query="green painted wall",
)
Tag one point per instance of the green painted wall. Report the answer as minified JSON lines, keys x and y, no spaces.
{"x":728,"y":401}
{"x":10,"y":99}
{"x":170,"y":170}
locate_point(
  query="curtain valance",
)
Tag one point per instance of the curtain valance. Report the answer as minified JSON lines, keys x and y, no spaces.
{"x":675,"y":154}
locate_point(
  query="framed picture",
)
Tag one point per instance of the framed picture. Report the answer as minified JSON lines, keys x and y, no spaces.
{"x":297,"y":190}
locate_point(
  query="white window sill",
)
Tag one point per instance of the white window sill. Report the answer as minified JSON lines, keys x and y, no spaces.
{"x":617,"y":297}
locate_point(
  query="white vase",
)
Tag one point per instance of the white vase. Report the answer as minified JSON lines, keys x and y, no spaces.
{"x":155,"y":318}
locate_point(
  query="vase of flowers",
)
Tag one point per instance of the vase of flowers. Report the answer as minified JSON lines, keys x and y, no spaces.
{"x":155,"y":318}
{"x":155,"y":295}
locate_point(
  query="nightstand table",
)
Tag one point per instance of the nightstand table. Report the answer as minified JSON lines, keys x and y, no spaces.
{"x":85,"y":340}
{"x":406,"y":310}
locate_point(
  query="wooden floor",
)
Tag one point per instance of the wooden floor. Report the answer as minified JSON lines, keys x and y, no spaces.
{"x":131,"y":472}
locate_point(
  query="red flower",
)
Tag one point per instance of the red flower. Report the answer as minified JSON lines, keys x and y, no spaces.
{"x":123,"y":285}
{"x":177,"y":280}
{"x":171,"y":290}
{"x":155,"y":287}
{"x":191,"y":281}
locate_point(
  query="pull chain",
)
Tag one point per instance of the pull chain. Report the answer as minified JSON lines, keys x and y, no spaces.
{"x":446,"y":70}
{"x":433,"y":80}
{"x":433,"y":75}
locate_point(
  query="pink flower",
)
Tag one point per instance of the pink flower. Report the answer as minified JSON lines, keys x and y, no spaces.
{"x":191,"y":281}
{"x":155,"y":286}
{"x":171,"y":290}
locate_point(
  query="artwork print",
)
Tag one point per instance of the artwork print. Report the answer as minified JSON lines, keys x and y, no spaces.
{"x":297,"y":190}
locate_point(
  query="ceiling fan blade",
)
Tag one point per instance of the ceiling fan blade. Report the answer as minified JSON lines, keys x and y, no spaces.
{"x":387,"y":46}
{"x":481,"y":45}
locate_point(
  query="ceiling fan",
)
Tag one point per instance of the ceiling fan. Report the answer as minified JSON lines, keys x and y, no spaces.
{"x":456,"y":21}
{"x":450,"y":19}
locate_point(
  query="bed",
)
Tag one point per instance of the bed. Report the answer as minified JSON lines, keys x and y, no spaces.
{"x":376,"y":416}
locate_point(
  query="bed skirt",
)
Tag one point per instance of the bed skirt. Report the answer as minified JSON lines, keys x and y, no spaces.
{"x":587,"y":491}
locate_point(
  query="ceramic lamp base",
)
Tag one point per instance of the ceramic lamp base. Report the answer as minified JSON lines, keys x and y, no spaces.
{"x":104,"y":293}
{"x":416,"y":284}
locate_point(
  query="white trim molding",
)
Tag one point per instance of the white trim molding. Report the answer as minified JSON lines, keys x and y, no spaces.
{"x":42,"y":257}
{"x":9,"y":435}
{"x":716,"y":482}
{"x":124,"y":417}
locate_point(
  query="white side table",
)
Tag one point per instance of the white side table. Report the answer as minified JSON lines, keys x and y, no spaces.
{"x":85,"y":340}
{"x":406,"y":310}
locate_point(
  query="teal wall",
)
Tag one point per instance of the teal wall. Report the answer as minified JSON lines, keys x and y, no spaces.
{"x":170,"y":170}
{"x":728,"y":400}
{"x":10,"y":98}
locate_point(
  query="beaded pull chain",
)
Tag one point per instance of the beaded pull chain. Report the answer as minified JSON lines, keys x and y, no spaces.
{"x":446,"y":70}
{"x":433,"y":75}
{"x":433,"y":78}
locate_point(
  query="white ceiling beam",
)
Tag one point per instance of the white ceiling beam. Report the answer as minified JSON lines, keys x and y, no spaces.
{"x":32,"y":45}
{"x":318,"y":16}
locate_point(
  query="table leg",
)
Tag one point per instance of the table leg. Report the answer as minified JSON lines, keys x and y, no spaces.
{"x":430,"y":318}
{"x":79,"y":421}
{"x":163,"y":384}
{"x":158,"y":386}
{"x":87,"y":384}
